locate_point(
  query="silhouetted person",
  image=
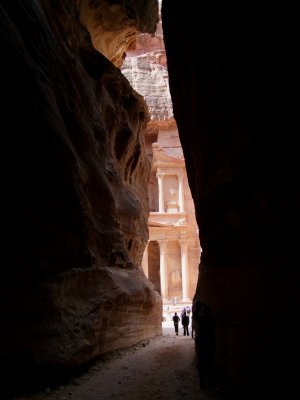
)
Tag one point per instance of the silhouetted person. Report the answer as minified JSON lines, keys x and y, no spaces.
{"x":188,"y":310}
{"x":183,"y":311}
{"x":185,"y":320}
{"x":176,"y":320}
{"x":204,"y":331}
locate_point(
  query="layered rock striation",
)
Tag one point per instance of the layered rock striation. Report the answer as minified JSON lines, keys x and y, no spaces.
{"x":115,"y":25}
{"x":76,"y":203}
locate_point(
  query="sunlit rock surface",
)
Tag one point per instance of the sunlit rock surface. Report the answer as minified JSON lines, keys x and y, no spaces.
{"x":114,"y":25}
{"x":146,"y":69}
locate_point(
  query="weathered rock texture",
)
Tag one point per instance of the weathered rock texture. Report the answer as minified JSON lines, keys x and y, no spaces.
{"x":146,"y":69}
{"x":150,"y":79}
{"x":74,"y":179}
{"x":76,"y":203}
{"x":234,"y":82}
{"x":115,"y":24}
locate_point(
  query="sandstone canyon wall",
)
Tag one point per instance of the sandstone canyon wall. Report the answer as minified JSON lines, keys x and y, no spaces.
{"x":75,"y":178}
{"x":234,"y":82}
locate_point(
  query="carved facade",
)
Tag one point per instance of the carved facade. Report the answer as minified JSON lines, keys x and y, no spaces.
{"x":171,"y":259}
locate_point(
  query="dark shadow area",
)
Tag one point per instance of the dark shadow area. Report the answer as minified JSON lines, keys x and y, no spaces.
{"x":20,"y":379}
{"x":204,"y":333}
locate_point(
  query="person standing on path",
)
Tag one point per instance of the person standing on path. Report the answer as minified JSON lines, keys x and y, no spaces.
{"x":176,"y":320}
{"x":183,"y":311}
{"x":188,"y":310}
{"x":185,"y":320}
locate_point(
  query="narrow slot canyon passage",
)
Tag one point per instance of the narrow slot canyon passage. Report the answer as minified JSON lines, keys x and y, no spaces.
{"x":172,"y":255}
{"x":123,"y":148}
{"x":161,"y":368}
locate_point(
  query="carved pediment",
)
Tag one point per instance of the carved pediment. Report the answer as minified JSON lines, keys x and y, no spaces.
{"x":161,"y":159}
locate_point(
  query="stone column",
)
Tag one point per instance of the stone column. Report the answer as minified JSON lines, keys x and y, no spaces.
{"x":145,"y":262}
{"x":180,"y":192}
{"x":160,"y":178}
{"x":163,"y":269}
{"x":184,"y":269}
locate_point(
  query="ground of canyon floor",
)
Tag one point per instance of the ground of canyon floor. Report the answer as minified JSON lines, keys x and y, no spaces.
{"x":161,"y":368}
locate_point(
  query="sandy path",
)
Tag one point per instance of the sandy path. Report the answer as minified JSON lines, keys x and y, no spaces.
{"x":162,"y":368}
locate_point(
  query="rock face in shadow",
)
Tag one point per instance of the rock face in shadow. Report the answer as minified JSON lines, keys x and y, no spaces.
{"x":75,"y":174}
{"x":237,"y":110}
{"x":75,"y":181}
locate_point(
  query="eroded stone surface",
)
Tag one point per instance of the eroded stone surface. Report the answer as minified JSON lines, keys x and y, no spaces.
{"x":145,"y":67}
{"x":114,"y":25}
{"x":76,"y":206}
{"x":72,"y":137}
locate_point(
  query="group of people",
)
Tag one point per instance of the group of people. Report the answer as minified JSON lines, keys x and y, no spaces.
{"x":185,"y":321}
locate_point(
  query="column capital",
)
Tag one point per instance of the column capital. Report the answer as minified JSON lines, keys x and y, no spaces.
{"x":162,"y":243}
{"x":160,"y":174}
{"x":183,"y":241}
